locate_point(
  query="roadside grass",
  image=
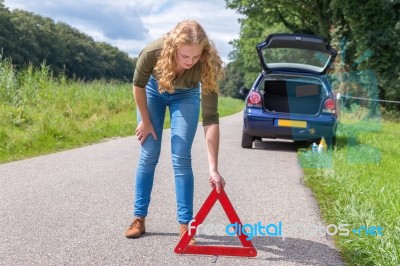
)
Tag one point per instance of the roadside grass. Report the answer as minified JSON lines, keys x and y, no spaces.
{"x":357,"y":183}
{"x":41,"y":114}
{"x":228,"y":106}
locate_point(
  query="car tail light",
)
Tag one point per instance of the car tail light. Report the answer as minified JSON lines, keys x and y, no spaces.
{"x":254,"y":99}
{"x":330,"y":106}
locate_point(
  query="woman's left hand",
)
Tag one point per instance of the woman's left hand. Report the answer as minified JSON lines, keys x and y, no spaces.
{"x":216,"y":180}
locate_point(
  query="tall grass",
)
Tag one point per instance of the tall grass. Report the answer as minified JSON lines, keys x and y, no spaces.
{"x":40,"y":113}
{"x":358,"y":184}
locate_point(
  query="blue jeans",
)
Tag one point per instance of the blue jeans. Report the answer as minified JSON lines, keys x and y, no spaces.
{"x":184,"y":107}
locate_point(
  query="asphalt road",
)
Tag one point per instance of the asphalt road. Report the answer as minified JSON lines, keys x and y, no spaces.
{"x":72,"y":207}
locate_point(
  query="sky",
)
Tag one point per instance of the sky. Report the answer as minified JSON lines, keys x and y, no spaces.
{"x":131,"y":24}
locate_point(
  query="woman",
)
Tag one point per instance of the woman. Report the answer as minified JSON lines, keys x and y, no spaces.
{"x":169,"y":72}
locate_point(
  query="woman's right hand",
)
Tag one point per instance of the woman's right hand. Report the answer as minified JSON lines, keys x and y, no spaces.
{"x":143,"y":130}
{"x":217,"y":181}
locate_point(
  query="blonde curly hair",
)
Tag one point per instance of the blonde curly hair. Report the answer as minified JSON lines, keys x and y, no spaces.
{"x":189,"y":32}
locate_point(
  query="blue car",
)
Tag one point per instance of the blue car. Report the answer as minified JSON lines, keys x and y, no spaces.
{"x":291,"y":98}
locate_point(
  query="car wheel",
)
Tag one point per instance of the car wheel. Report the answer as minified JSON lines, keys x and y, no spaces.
{"x":247,"y":141}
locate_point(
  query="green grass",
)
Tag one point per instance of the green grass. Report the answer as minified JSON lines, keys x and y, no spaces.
{"x":358,"y":184}
{"x":228,"y":106}
{"x":40,"y":114}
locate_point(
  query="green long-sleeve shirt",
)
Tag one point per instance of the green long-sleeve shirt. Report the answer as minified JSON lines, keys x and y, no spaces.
{"x":189,"y":79}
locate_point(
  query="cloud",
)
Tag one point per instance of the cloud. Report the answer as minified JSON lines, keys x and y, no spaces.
{"x":131,"y":24}
{"x":114,"y":21}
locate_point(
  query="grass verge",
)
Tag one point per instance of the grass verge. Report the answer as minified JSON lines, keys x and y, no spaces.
{"x":358,"y":184}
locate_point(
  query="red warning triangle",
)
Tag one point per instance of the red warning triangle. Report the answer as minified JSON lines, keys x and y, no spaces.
{"x":183,"y":247}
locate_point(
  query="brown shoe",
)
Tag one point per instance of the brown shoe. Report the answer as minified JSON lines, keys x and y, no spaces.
{"x":182,"y":230}
{"x":136,"y":229}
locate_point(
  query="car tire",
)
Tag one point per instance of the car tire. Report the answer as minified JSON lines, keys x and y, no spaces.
{"x":247,"y":141}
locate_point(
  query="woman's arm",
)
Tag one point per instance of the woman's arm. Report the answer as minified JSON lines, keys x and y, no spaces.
{"x":211,"y":133}
{"x":145,"y":127}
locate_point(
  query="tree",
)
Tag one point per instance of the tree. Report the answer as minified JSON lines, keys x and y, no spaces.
{"x":233,"y":81}
{"x":301,"y":16}
{"x":372,"y":34}
{"x":31,"y":39}
{"x":7,"y":30}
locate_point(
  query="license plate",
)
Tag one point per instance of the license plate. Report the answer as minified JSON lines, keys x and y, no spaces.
{"x":292,"y":123}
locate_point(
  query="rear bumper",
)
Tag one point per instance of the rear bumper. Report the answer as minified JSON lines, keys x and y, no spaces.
{"x":258,"y":123}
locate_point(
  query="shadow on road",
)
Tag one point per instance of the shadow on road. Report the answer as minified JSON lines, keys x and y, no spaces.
{"x":155,"y":234}
{"x":278,"y":249}
{"x":275,"y":145}
{"x":296,"y":250}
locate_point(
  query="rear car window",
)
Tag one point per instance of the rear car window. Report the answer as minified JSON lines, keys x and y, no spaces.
{"x":292,"y":94}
